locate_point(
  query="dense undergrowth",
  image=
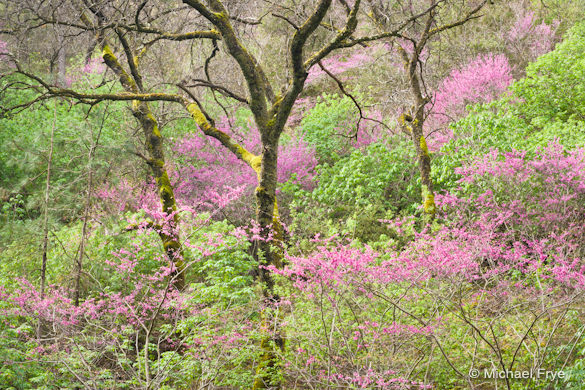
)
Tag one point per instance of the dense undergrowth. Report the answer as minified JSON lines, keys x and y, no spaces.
{"x":371,"y":296}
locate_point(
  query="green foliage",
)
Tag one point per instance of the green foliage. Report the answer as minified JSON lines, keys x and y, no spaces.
{"x":553,"y":89}
{"x":354,"y":193}
{"x":376,"y":174}
{"x":13,"y":209}
{"x":17,"y":369}
{"x":548,"y":104}
{"x":25,"y":143}
{"x":324,"y":126}
{"x":20,"y":254}
{"x":576,"y":373}
{"x":225,"y":277}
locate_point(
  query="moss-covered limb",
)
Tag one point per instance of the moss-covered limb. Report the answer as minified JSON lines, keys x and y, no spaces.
{"x":92,"y":98}
{"x":202,"y":9}
{"x":252,"y":160}
{"x":165,"y":35}
{"x":131,"y":59}
{"x":112,"y":62}
{"x":424,"y":163}
{"x":259,"y":88}
{"x":119,"y":96}
{"x":265,"y":168}
{"x":281,"y":109}
{"x":139,"y":27}
{"x":340,"y":37}
{"x":154,"y":145}
{"x":268,"y":370}
{"x":302,"y":34}
{"x":218,"y":88}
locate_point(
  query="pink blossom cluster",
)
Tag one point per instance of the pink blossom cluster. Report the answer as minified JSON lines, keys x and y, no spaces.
{"x":480,"y":81}
{"x":514,"y":188}
{"x":527,"y":209}
{"x":517,"y":218}
{"x":124,"y":196}
{"x":56,"y":307}
{"x":145,"y":300}
{"x":337,"y":64}
{"x":208,"y":169}
{"x":530,"y":39}
{"x":370,"y":378}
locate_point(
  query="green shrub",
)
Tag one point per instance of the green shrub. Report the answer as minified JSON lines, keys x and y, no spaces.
{"x":325,"y":123}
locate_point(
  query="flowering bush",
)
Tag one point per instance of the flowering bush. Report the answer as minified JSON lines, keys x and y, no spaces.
{"x":527,"y":39}
{"x":508,"y":253}
{"x":480,"y":81}
{"x":139,"y":331}
{"x":208,"y":171}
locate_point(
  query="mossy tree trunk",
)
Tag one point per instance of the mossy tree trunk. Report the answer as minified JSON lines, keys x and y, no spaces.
{"x":156,"y":160}
{"x":272,"y":253}
{"x":270,"y":246}
{"x":415,"y":124}
{"x":153,"y":140}
{"x":414,"y":43}
{"x":270,"y":111}
{"x":414,"y":127}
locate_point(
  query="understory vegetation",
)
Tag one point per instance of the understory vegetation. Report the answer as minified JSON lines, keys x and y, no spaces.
{"x":306,"y":195}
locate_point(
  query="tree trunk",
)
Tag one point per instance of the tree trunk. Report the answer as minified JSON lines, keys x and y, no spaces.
{"x":270,"y":253}
{"x":154,"y":145}
{"x":46,"y":213}
{"x":156,"y":160}
{"x":415,"y":127}
{"x":424,"y":164}
{"x":62,"y":65}
{"x":266,"y":211}
{"x":269,"y":249}
{"x":87,"y":209}
{"x":81,"y":251}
